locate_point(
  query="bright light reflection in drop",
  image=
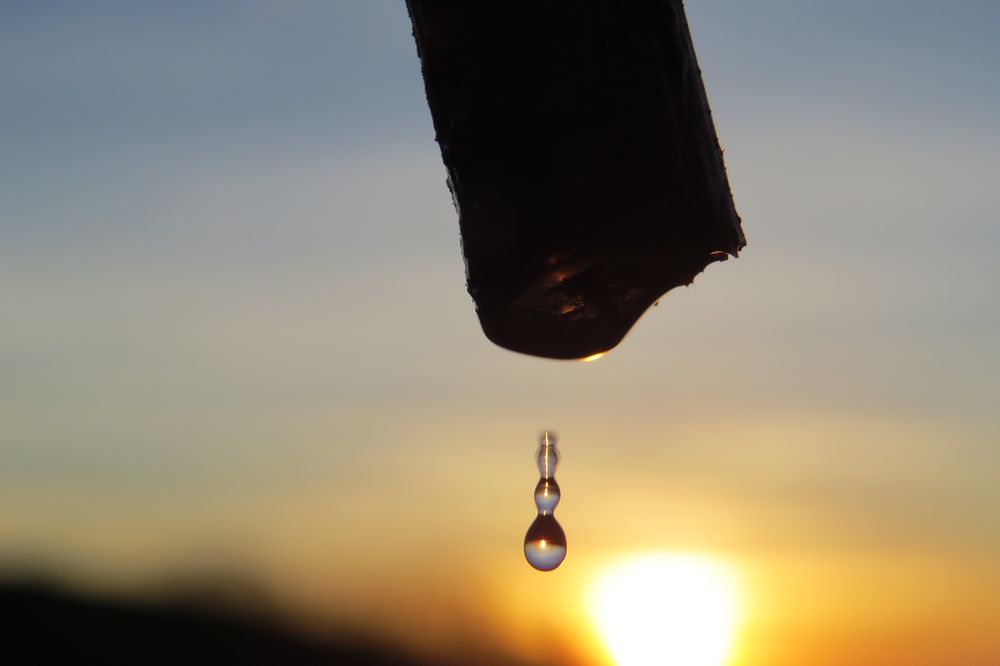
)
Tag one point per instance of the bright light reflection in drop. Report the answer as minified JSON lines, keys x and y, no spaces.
{"x":545,"y":542}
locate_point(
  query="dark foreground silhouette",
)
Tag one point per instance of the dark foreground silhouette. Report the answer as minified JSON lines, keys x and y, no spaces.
{"x":41,"y":624}
{"x":583,"y":161}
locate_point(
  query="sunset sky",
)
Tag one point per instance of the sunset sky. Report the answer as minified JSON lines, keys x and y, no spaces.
{"x":235,"y":337}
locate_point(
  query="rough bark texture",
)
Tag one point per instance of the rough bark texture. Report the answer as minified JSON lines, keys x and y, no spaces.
{"x":582,"y":159}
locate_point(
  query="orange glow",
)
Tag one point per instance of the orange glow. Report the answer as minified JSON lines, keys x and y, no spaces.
{"x":592,"y":357}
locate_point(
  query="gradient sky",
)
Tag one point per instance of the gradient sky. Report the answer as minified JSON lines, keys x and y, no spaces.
{"x":234,"y":334}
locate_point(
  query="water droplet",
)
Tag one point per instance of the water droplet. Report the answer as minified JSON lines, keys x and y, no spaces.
{"x":547,"y":457}
{"x":546,"y":495}
{"x":545,"y":541}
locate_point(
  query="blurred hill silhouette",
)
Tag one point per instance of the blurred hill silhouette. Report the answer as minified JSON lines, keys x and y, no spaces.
{"x":43,"y":623}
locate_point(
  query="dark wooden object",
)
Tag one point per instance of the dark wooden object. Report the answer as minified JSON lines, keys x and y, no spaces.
{"x":582,"y":159}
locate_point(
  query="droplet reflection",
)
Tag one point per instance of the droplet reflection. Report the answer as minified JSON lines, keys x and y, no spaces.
{"x":545,"y":541}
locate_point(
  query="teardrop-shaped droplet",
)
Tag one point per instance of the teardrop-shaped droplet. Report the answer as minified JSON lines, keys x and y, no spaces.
{"x":545,"y":543}
{"x":546,"y":495}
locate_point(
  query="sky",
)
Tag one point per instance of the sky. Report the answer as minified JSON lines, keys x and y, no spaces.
{"x":235,"y":337}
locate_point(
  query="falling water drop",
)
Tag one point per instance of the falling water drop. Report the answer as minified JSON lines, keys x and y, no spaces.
{"x":546,"y":495}
{"x":545,"y":541}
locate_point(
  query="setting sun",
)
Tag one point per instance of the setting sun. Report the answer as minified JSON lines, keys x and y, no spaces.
{"x":666,"y":610}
